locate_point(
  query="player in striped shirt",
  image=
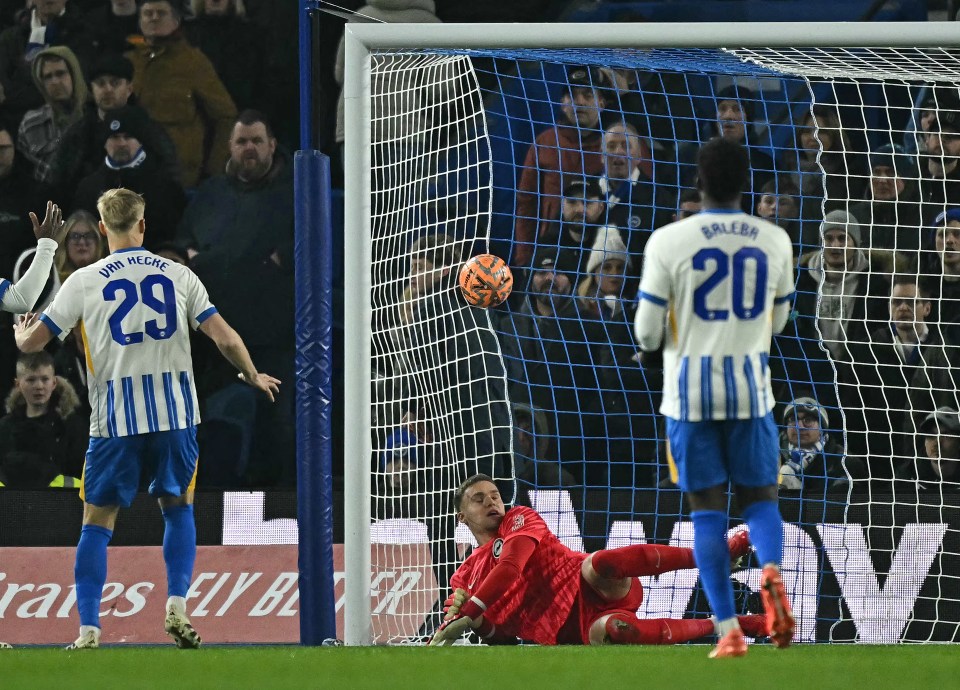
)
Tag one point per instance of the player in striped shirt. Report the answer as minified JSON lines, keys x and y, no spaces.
{"x":715,"y":287}
{"x":135,"y":310}
{"x":522,"y":582}
{"x":20,"y":297}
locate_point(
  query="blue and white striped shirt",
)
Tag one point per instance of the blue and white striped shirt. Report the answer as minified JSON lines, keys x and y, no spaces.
{"x":134,"y":311}
{"x":721,"y":276}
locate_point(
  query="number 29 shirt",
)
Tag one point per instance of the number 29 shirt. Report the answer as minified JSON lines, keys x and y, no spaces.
{"x":134,"y":310}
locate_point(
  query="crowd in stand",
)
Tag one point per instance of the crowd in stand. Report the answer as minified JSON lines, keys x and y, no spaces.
{"x":175,"y":101}
{"x":178,"y":103}
{"x":877,"y":249}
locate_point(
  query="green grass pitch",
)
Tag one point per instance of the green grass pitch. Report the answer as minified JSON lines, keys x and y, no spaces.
{"x":811,"y":667}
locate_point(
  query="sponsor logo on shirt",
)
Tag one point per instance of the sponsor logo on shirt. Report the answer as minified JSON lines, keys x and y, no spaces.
{"x":517,"y":523}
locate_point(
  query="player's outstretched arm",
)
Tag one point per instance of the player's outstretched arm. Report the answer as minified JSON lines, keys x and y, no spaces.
{"x":513,"y":558}
{"x":21,"y":297}
{"x":231,"y":346}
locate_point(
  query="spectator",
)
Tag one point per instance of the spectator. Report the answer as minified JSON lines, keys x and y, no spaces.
{"x":234,"y":45}
{"x":399,"y":461}
{"x":736,"y":110}
{"x":555,"y":342}
{"x":839,"y":292}
{"x":82,"y":245}
{"x":635,"y":204}
{"x":629,"y":393}
{"x":399,"y":11}
{"x":43,"y":438}
{"x":944,"y":275}
{"x":779,"y":202}
{"x":688,"y":204}
{"x":173,"y":252}
{"x":891,"y":214}
{"x":810,"y":459}
{"x":939,"y":467}
{"x":921,"y":117}
{"x":49,"y":23}
{"x":238,"y":231}
{"x":581,"y":212}
{"x":17,"y":192}
{"x":889,"y":379}
{"x":130,"y":164}
{"x":645,"y":107}
{"x":940,"y":161}
{"x":58,"y":77}
{"x":449,"y":339}
{"x":18,"y":195}
{"x":823,"y":161}
{"x":81,"y":149}
{"x":568,"y":151}
{"x":115,"y":26}
{"x":179,"y":88}
{"x":531,"y":449}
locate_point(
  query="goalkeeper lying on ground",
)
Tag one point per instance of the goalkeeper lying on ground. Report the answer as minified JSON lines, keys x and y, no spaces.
{"x":521,"y":582}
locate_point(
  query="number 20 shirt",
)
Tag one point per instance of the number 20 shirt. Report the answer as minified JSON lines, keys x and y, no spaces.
{"x":719,"y":274}
{"x":133,"y":309}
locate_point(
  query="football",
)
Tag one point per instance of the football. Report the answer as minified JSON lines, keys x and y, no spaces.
{"x":485,"y":281}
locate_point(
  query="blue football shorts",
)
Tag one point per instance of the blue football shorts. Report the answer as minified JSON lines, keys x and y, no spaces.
{"x":111,"y":473}
{"x":744,"y":452}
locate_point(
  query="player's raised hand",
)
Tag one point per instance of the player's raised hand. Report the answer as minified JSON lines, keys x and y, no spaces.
{"x":451,"y":607}
{"x":262,"y":382}
{"x":23,"y":326}
{"x":52,"y":222}
{"x":452,"y":630}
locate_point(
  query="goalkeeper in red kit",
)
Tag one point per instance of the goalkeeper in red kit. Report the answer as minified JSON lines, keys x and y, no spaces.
{"x":521,"y":582}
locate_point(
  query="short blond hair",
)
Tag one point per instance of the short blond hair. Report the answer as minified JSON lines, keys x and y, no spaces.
{"x":120,"y":209}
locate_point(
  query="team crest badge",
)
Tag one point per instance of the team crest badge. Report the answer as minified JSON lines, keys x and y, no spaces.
{"x":517,"y":523}
{"x":497,"y":548}
{"x":634,"y":221}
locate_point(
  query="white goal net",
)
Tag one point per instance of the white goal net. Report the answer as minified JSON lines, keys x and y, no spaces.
{"x":562,"y":161}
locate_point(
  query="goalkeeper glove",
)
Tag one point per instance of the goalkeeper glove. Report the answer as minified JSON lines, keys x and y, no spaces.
{"x":451,"y":607}
{"x":452,"y":629}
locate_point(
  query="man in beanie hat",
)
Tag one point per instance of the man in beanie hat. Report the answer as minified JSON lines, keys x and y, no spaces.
{"x":130,"y":164}
{"x":850,"y":304}
{"x":810,"y":460}
{"x":939,"y":465}
{"x":736,"y":111}
{"x":582,"y":210}
{"x":81,"y":151}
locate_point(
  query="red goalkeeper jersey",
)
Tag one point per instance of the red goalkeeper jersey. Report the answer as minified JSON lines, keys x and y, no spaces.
{"x":538,"y":603}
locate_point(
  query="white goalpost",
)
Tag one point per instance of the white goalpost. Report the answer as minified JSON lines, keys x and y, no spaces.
{"x":443,"y":161}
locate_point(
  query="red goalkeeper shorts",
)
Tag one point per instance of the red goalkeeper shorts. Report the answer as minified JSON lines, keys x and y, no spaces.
{"x":589,"y":606}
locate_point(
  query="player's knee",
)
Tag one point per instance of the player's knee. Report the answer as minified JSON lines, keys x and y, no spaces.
{"x":748,"y":495}
{"x":598,"y":631}
{"x":587,"y":570}
{"x":184,"y":499}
